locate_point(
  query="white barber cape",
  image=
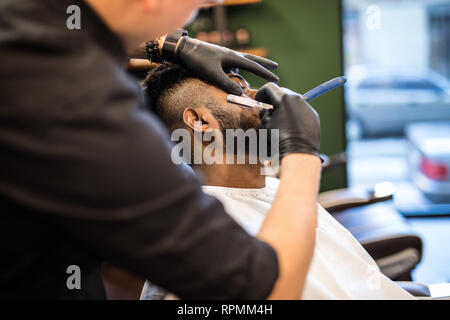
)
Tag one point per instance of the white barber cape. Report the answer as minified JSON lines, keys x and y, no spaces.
{"x":340,"y":269}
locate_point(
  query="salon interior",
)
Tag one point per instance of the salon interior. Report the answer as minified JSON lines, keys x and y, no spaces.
{"x":385,"y":132}
{"x":377,"y":72}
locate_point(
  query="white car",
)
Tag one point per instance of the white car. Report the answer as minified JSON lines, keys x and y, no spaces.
{"x":429,"y":158}
{"x":383,"y":101}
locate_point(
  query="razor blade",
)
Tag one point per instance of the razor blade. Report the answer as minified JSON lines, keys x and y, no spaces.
{"x":247,"y":102}
{"x":312,"y":94}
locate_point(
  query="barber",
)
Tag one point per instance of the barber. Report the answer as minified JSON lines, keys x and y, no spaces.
{"x":86,"y":175}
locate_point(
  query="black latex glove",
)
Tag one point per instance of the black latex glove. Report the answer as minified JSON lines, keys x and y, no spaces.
{"x":298,"y":122}
{"x":210,"y":62}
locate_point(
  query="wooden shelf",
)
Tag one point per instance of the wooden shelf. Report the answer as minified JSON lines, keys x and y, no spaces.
{"x":233,"y":3}
{"x":240,"y":2}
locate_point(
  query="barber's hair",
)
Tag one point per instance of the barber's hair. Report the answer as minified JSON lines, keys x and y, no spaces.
{"x":170,"y":89}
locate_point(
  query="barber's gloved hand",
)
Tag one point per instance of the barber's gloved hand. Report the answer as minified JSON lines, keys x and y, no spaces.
{"x":298,"y":122}
{"x":210,"y":62}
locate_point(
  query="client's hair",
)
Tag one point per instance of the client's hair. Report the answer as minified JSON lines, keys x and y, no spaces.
{"x":170,"y":89}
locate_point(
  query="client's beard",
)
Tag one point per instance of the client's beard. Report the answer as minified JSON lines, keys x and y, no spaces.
{"x":245,"y":122}
{"x":226,"y":121}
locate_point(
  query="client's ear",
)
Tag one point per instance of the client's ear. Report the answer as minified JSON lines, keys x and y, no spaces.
{"x":198,"y":119}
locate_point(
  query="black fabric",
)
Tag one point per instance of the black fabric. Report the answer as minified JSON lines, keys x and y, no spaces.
{"x":86,"y":175}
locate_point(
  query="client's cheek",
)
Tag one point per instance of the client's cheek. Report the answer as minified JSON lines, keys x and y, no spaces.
{"x":250,"y":120}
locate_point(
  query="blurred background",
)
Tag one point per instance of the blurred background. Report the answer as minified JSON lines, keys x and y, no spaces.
{"x":397,"y":61}
{"x":391,"y":121}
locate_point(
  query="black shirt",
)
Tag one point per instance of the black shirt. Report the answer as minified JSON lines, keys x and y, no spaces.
{"x":86,"y":175}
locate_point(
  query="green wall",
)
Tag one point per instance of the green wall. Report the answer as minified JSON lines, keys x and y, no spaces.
{"x":304,"y":37}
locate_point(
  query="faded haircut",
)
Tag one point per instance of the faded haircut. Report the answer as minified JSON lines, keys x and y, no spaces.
{"x":170,"y":89}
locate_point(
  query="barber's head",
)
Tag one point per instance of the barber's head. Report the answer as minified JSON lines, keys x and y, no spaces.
{"x":180,"y":99}
{"x":137,"y":21}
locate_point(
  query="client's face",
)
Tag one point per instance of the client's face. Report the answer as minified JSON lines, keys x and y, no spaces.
{"x":233,"y":116}
{"x":216,"y":114}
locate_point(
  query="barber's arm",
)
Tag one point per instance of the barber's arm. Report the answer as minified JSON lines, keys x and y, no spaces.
{"x":99,"y":165}
{"x":290,"y":224}
{"x":139,"y":211}
{"x":132,"y":207}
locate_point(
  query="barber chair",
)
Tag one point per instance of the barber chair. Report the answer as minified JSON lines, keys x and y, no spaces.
{"x":440,"y":291}
{"x":381,"y":230}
